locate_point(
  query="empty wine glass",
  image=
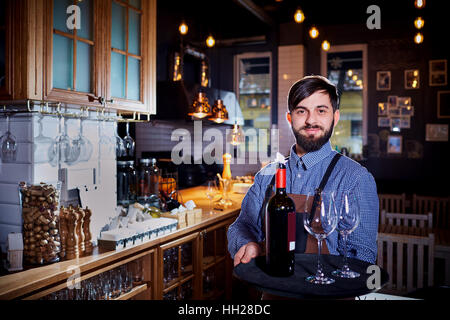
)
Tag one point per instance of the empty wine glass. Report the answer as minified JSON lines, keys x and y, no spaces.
{"x":120,"y":147}
{"x":62,"y":147}
{"x":320,"y":224}
{"x":42,"y":145}
{"x":128,"y":142}
{"x":211,"y":191}
{"x":9,"y":144}
{"x":83,"y":144}
{"x":348,"y":221}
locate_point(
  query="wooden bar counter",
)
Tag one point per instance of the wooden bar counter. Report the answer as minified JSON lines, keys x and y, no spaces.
{"x":204,"y":240}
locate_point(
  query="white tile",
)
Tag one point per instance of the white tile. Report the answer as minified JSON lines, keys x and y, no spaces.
{"x":9,"y":193}
{"x":15,"y":173}
{"x":10,"y":214}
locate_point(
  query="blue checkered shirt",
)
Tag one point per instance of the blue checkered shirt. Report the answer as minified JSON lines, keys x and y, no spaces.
{"x":303,"y":175}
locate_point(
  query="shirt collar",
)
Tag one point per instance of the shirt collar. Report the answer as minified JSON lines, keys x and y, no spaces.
{"x":311,"y":158}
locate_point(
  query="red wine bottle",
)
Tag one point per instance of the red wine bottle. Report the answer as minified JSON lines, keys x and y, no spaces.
{"x":280,"y":229}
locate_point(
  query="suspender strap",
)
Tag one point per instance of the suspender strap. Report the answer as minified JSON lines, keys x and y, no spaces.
{"x":324,"y":181}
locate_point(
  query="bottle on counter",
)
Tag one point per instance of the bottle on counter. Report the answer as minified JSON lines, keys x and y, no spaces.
{"x":122,"y":183}
{"x":148,"y":183}
{"x":280,"y":229}
{"x":132,"y":186}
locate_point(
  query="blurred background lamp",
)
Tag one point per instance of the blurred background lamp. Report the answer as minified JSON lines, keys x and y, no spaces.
{"x":419,"y":4}
{"x":419,"y":22}
{"x":325,"y":45}
{"x":313,"y":32}
{"x":210,"y":41}
{"x":183,"y":28}
{"x":418,"y":38}
{"x":299,"y":16}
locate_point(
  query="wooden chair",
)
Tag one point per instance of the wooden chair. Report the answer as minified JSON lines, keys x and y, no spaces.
{"x":409,"y":261}
{"x":407,"y":219}
{"x":438,"y":206}
{"x":392,"y":202}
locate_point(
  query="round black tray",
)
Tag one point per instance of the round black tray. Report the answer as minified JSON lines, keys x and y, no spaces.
{"x":295,"y":286}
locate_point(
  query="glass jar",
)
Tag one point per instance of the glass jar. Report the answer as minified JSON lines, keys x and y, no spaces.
{"x":132,"y":185}
{"x":40,"y":214}
{"x":148,"y":183}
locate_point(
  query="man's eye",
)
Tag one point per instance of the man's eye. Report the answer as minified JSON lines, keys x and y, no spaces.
{"x":300,"y":111}
{"x":322,"y":111}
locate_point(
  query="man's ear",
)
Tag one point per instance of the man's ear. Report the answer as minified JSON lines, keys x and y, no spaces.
{"x":336,"y":117}
{"x":288,"y":117}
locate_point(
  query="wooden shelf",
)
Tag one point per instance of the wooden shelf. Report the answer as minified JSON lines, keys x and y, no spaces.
{"x":177,"y":282}
{"x":209,"y":261}
{"x":135,"y":291}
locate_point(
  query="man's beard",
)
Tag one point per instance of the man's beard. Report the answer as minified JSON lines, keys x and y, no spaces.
{"x":309,"y":143}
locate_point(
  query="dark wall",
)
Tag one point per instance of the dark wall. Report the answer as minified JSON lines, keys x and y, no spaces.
{"x":423,"y":167}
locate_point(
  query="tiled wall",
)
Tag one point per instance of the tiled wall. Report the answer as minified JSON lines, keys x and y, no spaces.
{"x":291,"y":67}
{"x":101,"y":196}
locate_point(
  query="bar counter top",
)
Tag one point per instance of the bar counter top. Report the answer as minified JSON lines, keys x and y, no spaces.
{"x":21,"y":283}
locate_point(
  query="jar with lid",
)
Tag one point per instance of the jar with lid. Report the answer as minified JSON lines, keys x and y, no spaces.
{"x":148,"y":183}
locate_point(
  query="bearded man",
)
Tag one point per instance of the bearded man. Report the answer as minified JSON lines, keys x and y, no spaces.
{"x":313,"y":112}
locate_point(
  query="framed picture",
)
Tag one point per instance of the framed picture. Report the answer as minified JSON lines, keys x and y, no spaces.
{"x":405,"y":122}
{"x":404,"y":101}
{"x":393,"y":101}
{"x":443,"y":104}
{"x":383,"y":80}
{"x":407,"y":111}
{"x":382,"y":109}
{"x":412,"y":80}
{"x":394,"y":111}
{"x":438,"y":72}
{"x":436,"y":132}
{"x":394,"y":144}
{"x":396,"y":124}
{"x":384,"y":122}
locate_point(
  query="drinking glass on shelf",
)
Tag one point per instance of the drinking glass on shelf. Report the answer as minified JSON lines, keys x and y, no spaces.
{"x":211,"y":191}
{"x":42,"y":145}
{"x":8,"y":144}
{"x":320,"y":224}
{"x":348,"y":222}
{"x":120,"y":146}
{"x":63,"y":148}
{"x":128,"y":142}
{"x":83,"y":143}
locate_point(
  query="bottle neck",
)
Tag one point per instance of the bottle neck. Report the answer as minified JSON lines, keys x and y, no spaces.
{"x":281,"y":180}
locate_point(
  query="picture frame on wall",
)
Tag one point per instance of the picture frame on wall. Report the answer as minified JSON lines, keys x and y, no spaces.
{"x":407,"y":111}
{"x":396,"y":124}
{"x":394,"y":144}
{"x":438,"y":72}
{"x":383,"y":80}
{"x":384,"y":122}
{"x":405,"y":122}
{"x":382,"y":109}
{"x":394,"y":111}
{"x":404,"y":101}
{"x":412,"y":79}
{"x":443,"y":101}
{"x":392,"y":101}
{"x":436,"y":132}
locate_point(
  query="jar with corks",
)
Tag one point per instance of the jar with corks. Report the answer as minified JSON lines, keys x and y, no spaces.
{"x":40,"y":215}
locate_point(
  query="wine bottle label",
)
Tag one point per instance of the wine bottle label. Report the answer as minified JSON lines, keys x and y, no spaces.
{"x":291,"y":231}
{"x":281,"y":178}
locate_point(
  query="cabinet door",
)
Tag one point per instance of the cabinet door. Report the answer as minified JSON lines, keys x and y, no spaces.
{"x":73,"y":48}
{"x":5,"y":48}
{"x":131,"y":46}
{"x":178,"y":269}
{"x":215,"y":266}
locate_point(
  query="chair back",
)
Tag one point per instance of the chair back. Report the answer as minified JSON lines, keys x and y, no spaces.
{"x":392,"y":202}
{"x":438,"y":206}
{"x":407,"y":219}
{"x":409,"y":261}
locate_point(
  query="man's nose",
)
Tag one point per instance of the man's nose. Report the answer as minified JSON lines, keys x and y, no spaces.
{"x":310,"y":118}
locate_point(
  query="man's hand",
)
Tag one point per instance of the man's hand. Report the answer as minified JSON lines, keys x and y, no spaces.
{"x":246,"y":253}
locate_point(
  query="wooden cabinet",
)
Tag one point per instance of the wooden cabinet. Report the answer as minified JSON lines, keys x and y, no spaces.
{"x":80,"y":52}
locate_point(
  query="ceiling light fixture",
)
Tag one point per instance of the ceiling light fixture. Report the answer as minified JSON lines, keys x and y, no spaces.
{"x":418,"y":38}
{"x":419,"y":4}
{"x":313,"y":32}
{"x":200,"y":106}
{"x":210,"y":41}
{"x":299,"y":16}
{"x":419,"y":23}
{"x":183,"y":28}
{"x":326,"y":45}
{"x":219,"y":112}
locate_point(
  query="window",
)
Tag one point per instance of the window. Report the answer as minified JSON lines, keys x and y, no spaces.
{"x":253,"y":87}
{"x":346,"y":67}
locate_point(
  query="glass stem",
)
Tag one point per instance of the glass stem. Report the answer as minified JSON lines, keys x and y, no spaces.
{"x":345,"y":266}
{"x":319,"y":250}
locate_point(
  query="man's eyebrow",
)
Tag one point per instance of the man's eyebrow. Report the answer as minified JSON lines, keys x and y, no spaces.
{"x":319,"y":106}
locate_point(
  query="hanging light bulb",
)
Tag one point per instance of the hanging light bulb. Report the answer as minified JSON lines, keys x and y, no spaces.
{"x":419,"y":4}
{"x":313,"y":32}
{"x":183,"y":28}
{"x":418,"y":38}
{"x":350,"y":72}
{"x":299,"y":16}
{"x":419,"y":23}
{"x":210,"y":41}
{"x":325,"y":45}
{"x":236,"y":137}
{"x":355,"y":77}
{"x":200,"y":106}
{"x":219,"y":112}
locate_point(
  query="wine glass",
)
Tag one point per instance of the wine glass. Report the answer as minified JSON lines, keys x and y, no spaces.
{"x":63,"y":148}
{"x":211,"y":191}
{"x":320,"y":224}
{"x":348,"y":221}
{"x":42,"y":145}
{"x":9,"y":144}
{"x":83,"y":144}
{"x":128,"y":142}
{"x":120,"y":146}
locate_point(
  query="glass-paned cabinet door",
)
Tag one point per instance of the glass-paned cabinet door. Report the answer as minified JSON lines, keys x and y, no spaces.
{"x":3,"y":47}
{"x":73,"y":45}
{"x":126,"y":55}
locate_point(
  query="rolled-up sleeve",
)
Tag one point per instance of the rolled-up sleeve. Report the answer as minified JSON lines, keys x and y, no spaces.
{"x":247,"y":226}
{"x":362,"y":243}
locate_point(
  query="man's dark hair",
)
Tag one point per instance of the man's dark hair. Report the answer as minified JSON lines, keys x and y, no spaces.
{"x":307,"y":86}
